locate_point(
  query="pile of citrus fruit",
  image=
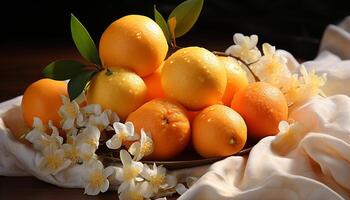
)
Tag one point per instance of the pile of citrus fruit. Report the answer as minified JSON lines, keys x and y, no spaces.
{"x":191,"y":97}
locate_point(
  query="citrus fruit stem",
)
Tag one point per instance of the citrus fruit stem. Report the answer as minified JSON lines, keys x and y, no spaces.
{"x":109,"y":72}
{"x":219,"y":53}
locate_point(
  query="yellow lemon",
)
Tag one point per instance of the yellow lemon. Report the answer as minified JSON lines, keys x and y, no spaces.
{"x":119,"y":89}
{"x":195,"y":77}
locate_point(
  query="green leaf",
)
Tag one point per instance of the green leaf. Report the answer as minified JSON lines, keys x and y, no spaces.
{"x":162,"y":24}
{"x":77,"y":84}
{"x":186,"y":15}
{"x":62,"y":69}
{"x":83,"y":41}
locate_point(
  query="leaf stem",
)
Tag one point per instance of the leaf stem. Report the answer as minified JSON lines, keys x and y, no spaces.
{"x":173,"y":44}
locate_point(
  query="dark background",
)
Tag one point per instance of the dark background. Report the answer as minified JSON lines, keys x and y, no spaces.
{"x":286,"y":23}
{"x":34,"y":33}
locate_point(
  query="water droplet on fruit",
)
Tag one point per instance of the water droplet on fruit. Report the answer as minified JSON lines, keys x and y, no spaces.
{"x":209,"y":120}
{"x":171,"y":62}
{"x":138,"y":35}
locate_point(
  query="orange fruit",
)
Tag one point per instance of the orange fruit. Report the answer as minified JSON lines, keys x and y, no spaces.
{"x":195,"y":77}
{"x":134,"y":42}
{"x":167,"y":122}
{"x":154,"y":86}
{"x":218,"y":131}
{"x":262,"y":106}
{"x":122,"y":91}
{"x":43,"y":99}
{"x":236,"y":78}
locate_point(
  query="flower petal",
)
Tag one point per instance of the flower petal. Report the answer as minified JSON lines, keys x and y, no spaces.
{"x":180,"y":188}
{"x":146,"y":172}
{"x":124,"y":186}
{"x":134,"y":148}
{"x":146,"y":189}
{"x":114,"y":143}
{"x":92,"y":109}
{"x":105,"y":186}
{"x":119,"y":173}
{"x":38,"y":124}
{"x":118,"y":127}
{"x":129,"y":126}
{"x":125,"y":158}
{"x":170,"y":182}
{"x":108,"y":171}
{"x":89,"y":190}
{"x":68,"y":124}
{"x":253,"y":40}
{"x":238,"y":38}
{"x":268,"y":49}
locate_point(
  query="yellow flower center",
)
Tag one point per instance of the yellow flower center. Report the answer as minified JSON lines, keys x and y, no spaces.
{"x":72,"y":154}
{"x":47,"y":142}
{"x":157,"y":180}
{"x":70,"y":140}
{"x":91,"y":141}
{"x":71,"y":110}
{"x":96,"y":179}
{"x":53,"y":161}
{"x":146,"y":148}
{"x":87,"y":156}
{"x":122,"y":135}
{"x":273,"y":67}
{"x":135,"y":196}
{"x":130,"y":173}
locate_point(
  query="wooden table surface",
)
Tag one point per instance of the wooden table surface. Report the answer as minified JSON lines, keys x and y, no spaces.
{"x":30,"y":188}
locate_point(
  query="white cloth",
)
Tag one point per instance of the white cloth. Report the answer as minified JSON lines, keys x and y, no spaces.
{"x":315,"y":166}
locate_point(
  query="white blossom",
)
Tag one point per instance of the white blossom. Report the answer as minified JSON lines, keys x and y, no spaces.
{"x":123,"y":132}
{"x":271,"y":66}
{"x":311,"y":84}
{"x":100,"y":121}
{"x":96,"y":177}
{"x":53,"y":161}
{"x":244,"y":48}
{"x":129,"y":172}
{"x":92,"y":109}
{"x":42,"y":141}
{"x":134,"y":191}
{"x":89,"y":136}
{"x":142,"y":148}
{"x":69,"y":112}
{"x":157,"y":179}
